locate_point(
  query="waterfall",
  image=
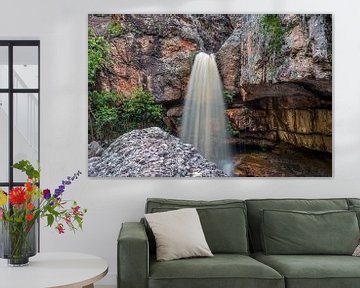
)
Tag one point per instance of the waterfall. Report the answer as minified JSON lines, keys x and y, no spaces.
{"x":203,"y":120}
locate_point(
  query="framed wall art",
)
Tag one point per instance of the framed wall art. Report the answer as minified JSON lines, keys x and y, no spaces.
{"x":210,"y":95}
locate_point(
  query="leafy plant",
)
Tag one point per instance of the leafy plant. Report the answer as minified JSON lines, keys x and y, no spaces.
{"x":104,"y":98}
{"x":111,"y":114}
{"x":140,"y":110}
{"x":228,"y":97}
{"x":104,"y":115}
{"x":273,"y":28}
{"x":231,"y":130}
{"x":98,"y":55}
{"x":26,"y":167}
{"x":107,"y":120}
{"x":115,"y":29}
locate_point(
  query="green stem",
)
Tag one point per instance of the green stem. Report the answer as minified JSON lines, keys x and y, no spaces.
{"x":18,"y":238}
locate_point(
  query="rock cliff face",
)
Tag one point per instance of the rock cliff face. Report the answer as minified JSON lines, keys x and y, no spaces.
{"x":277,"y":70}
{"x":286,"y":94}
{"x":303,"y":50}
{"x":156,"y":51}
{"x":154,"y":153}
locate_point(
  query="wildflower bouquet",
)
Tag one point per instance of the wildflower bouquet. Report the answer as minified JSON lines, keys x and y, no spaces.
{"x":22,"y":206}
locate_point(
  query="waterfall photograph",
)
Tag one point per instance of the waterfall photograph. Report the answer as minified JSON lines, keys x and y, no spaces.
{"x":210,"y":95}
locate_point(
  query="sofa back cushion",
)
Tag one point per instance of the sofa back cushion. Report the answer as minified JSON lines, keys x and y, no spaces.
{"x":255,"y":206}
{"x":298,"y":232}
{"x":353,"y":201}
{"x":223,"y":221}
{"x":354,"y":205}
{"x":356,"y":209}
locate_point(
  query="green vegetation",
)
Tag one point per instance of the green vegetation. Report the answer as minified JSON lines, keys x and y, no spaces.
{"x":231,"y":131}
{"x":140,"y":111}
{"x":272,"y":27}
{"x":228,"y":97}
{"x":112,"y":114}
{"x":98,"y":55}
{"x":192,"y":56}
{"x":115,"y":29}
{"x":104,"y":116}
{"x":26,"y":167}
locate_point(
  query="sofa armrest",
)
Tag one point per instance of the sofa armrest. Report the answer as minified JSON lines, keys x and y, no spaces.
{"x":133,"y":256}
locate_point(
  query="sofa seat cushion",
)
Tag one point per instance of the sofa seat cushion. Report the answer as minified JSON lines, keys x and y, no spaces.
{"x":313,"y":271}
{"x":222,"y":270}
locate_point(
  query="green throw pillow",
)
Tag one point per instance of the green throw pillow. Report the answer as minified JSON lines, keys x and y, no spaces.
{"x":357,"y":210}
{"x":299,"y":232}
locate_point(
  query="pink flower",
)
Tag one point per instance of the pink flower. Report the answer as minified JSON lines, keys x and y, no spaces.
{"x":60,"y":228}
{"x":76,"y":210}
{"x":68,"y":219}
{"x":1,"y":213}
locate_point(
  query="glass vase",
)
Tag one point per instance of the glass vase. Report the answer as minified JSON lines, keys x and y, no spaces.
{"x":18,"y":242}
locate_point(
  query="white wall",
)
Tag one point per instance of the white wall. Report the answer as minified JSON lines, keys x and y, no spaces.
{"x":61,"y":25}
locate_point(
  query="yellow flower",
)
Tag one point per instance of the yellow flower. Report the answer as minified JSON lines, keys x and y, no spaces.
{"x":3,"y":198}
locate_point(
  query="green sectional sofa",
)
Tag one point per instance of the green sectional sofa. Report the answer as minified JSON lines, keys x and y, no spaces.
{"x":245,"y":238}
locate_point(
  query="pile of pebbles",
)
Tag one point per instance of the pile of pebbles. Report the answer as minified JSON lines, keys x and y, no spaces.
{"x":151,"y":152}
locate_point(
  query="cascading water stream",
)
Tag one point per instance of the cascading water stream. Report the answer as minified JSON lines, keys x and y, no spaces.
{"x":203,"y":120}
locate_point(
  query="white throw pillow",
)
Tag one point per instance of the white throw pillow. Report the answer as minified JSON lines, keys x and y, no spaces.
{"x":178,"y":234}
{"x":357,"y":251}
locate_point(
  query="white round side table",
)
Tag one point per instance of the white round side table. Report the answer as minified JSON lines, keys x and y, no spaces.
{"x":50,"y":270}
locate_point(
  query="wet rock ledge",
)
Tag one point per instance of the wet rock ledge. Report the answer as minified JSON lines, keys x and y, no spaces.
{"x":151,"y":152}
